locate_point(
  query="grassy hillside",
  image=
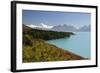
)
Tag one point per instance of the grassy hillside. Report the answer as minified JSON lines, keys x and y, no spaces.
{"x":40,"y":51}
{"x":35,"y":49}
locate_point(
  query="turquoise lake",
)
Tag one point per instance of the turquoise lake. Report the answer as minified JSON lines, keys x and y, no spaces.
{"x":80,"y":44}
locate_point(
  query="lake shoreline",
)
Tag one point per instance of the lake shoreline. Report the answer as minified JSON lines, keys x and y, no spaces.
{"x":78,"y":43}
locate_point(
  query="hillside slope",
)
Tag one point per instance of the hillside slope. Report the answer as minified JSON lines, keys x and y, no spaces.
{"x":40,"y":51}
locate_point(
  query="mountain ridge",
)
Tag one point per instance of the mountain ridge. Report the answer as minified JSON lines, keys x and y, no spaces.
{"x":63,"y":28}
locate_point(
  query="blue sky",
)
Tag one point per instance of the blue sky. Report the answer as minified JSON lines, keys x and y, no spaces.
{"x":55,"y":18}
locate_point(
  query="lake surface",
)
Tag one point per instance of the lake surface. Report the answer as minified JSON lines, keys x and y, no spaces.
{"x":79,"y":44}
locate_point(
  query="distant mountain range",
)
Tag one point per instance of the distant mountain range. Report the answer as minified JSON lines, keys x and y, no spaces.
{"x":71,"y":28}
{"x":64,"y":27}
{"x":85,"y":28}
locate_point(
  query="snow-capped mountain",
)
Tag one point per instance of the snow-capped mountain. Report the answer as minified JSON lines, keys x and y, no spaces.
{"x":64,"y":27}
{"x":85,"y":28}
{"x":32,"y":26}
{"x":46,"y":26}
{"x":40,"y":26}
{"x":71,"y":28}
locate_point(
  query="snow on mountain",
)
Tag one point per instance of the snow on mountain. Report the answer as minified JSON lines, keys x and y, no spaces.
{"x":85,"y":28}
{"x":32,"y":26}
{"x":71,"y":28}
{"x":46,"y":26}
{"x":40,"y":26}
{"x":64,"y":27}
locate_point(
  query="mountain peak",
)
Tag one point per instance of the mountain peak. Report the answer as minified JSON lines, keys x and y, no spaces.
{"x":46,"y":26}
